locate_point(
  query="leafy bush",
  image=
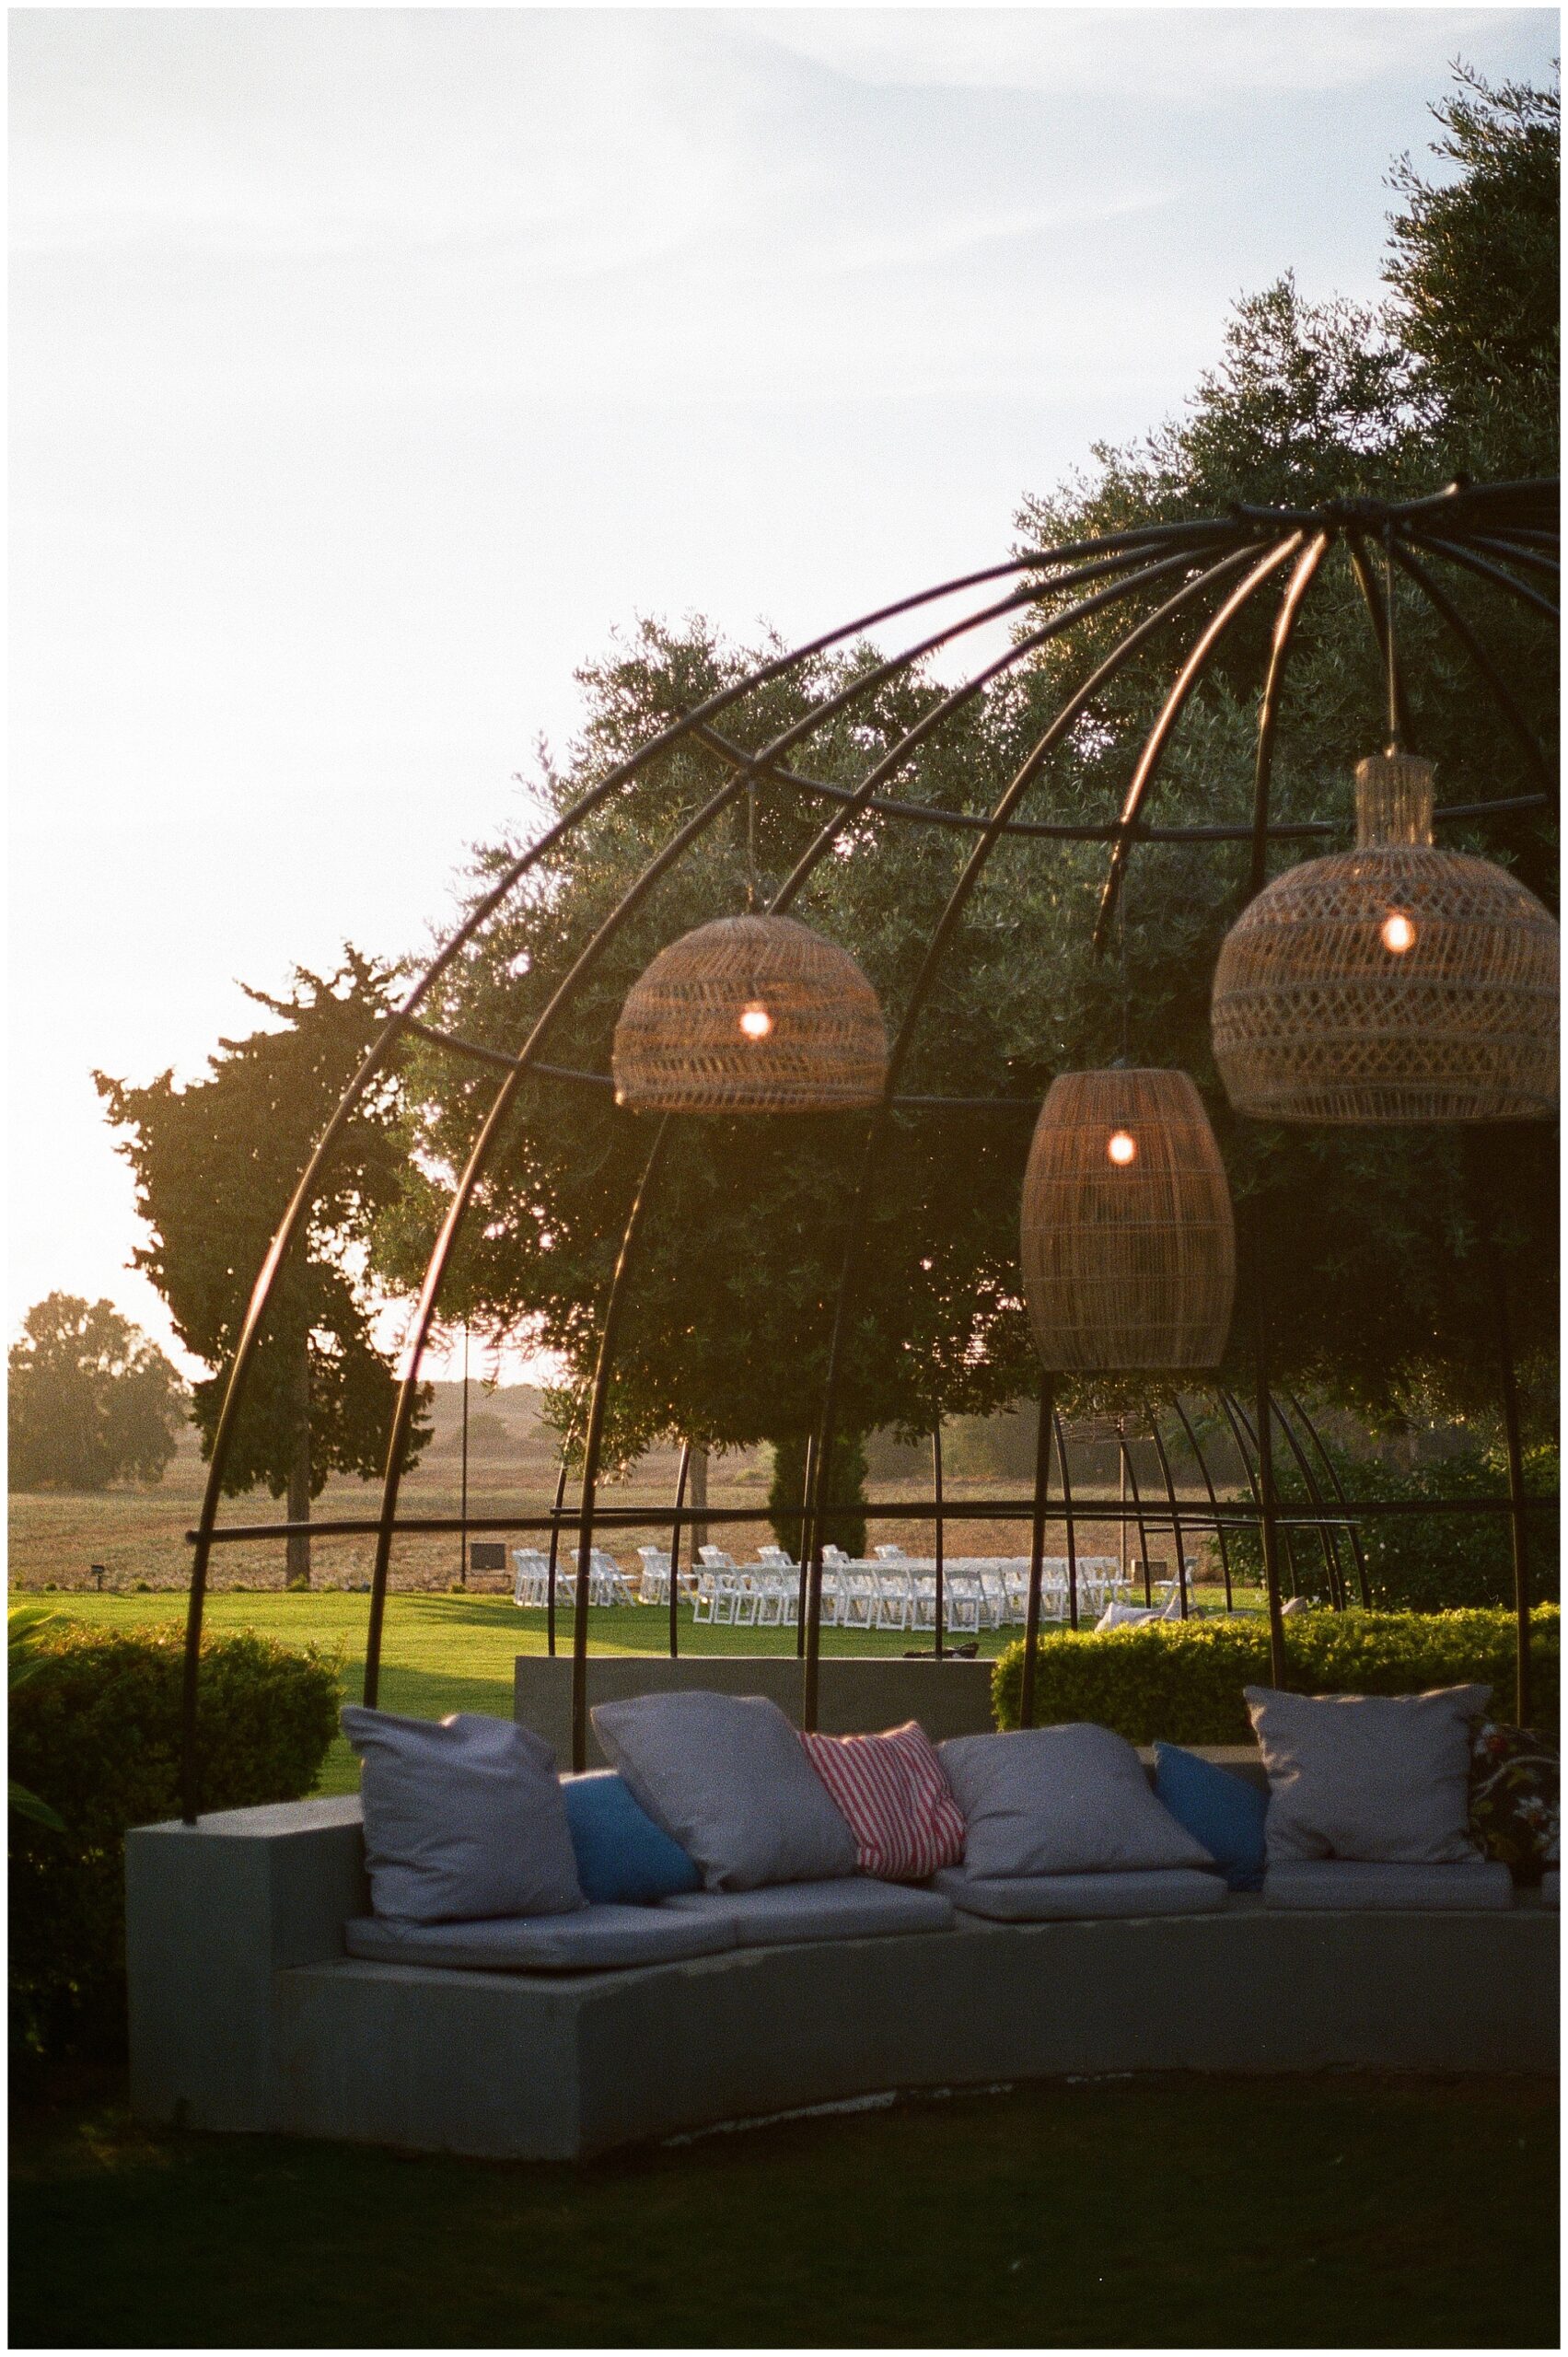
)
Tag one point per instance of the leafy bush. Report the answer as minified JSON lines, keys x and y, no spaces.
{"x":1181,"y":1681}
{"x":1421,"y":1563}
{"x":95,"y":1731}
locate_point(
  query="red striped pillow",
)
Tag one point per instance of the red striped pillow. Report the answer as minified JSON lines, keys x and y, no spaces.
{"x":896,"y":1798}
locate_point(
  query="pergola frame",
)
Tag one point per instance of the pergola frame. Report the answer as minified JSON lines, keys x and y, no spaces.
{"x":1494,"y":531}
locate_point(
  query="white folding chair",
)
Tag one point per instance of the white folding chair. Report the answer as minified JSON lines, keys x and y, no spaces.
{"x":653,"y":1585}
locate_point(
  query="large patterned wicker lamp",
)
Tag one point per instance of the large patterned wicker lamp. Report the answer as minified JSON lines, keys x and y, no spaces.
{"x":1393,"y":983}
{"x":750,"y":1014}
{"x":1128,"y":1242}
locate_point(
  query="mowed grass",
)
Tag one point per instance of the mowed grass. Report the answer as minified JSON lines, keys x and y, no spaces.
{"x":1182,"y":2212}
{"x":447,"y":1652}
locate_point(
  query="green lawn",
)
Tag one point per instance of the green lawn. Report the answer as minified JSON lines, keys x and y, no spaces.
{"x":446,"y":1653}
{"x":1270,"y":2214}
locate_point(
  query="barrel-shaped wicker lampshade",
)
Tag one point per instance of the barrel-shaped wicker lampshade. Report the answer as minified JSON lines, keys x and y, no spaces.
{"x":750,"y":1014}
{"x":1128,"y":1241}
{"x":1393,"y":983}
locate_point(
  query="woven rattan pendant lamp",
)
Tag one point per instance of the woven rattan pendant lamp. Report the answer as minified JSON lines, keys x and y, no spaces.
{"x":1393,"y":983}
{"x":750,"y":1014}
{"x":1127,"y":1239}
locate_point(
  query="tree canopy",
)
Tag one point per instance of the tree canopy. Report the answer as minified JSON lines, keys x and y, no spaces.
{"x":215,"y":1164}
{"x":91,"y":1399}
{"x":1377,"y":1285}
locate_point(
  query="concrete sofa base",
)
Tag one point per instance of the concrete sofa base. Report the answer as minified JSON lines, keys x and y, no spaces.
{"x":246,"y":2014}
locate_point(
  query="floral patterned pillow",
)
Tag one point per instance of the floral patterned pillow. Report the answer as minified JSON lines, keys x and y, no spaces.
{"x":1514,"y":1798}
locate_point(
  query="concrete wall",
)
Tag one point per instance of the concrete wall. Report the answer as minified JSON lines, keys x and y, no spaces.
{"x":854,"y":1697}
{"x":245,"y":2013}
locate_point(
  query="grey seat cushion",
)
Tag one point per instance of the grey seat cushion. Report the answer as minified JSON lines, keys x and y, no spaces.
{"x":853,"y":1908}
{"x":1548,"y":1888}
{"x":1352,"y":1883}
{"x":588,"y":1939}
{"x":1060,"y":1799}
{"x":1043,"y":1898}
{"x":1381,"y":1778}
{"x":463,"y":1818}
{"x":726,"y":1776}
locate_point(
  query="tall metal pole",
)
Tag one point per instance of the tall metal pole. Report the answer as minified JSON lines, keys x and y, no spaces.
{"x":1037,"y":1551}
{"x":936,"y":1494}
{"x":1066,"y":1472}
{"x":463,"y":1534}
{"x":1266,"y":1444}
{"x":675,"y":1553}
{"x":804,"y":1544}
{"x":1518,"y":1519}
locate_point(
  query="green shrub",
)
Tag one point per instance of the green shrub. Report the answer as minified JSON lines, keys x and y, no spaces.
{"x":789,"y":1480}
{"x":95,"y":1731}
{"x":1419,"y":1563}
{"x":1181,"y":1681}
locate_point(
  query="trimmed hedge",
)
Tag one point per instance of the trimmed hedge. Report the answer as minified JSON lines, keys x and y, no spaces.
{"x":1181,"y":1681}
{"x":95,"y":1732}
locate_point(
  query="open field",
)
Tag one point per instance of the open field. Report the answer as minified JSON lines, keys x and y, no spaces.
{"x":139,"y":1535}
{"x":1186,"y":2214}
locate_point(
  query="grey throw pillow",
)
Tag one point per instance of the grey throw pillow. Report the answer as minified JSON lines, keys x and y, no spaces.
{"x":463,"y":1818}
{"x":727,"y":1777}
{"x":1383,"y":1777}
{"x":1071,"y":1800}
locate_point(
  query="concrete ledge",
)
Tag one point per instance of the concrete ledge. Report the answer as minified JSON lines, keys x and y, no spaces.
{"x":854,"y":1697}
{"x":246,"y":2014}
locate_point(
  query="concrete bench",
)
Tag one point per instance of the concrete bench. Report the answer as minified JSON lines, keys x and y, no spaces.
{"x":247,"y":2015}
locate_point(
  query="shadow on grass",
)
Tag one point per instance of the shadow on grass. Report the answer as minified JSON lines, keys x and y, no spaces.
{"x":1185,"y":2213}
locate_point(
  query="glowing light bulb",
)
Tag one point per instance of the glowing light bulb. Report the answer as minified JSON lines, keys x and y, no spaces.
{"x":755,"y":1021}
{"x":1122,"y":1149}
{"x":1398,"y":933}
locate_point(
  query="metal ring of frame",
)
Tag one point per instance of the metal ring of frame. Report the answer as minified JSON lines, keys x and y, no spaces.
{"x":1492,"y":531}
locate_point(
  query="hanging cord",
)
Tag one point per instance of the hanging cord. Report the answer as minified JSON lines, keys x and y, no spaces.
{"x":752,"y":847}
{"x":1394,"y":744}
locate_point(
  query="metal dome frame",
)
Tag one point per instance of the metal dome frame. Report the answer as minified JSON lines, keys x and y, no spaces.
{"x":1499,"y":533}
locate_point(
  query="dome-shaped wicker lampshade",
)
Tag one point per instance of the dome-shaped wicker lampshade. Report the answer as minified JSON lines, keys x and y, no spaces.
{"x":1128,"y":1242}
{"x":1395,"y":983}
{"x":750,"y":1014}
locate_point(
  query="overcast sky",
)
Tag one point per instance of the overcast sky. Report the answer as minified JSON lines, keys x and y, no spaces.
{"x":369,"y":367}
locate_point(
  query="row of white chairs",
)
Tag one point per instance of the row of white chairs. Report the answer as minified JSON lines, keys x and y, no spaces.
{"x":892,"y":1591}
{"x":608,"y":1584}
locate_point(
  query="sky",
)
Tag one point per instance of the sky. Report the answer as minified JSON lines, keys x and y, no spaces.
{"x":369,"y":369}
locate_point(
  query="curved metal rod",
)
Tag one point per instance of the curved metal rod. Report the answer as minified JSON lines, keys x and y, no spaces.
{"x":1158,"y":738}
{"x":1037,"y":1550}
{"x":1444,"y":606}
{"x":1372,"y":597}
{"x":1175,"y":1509}
{"x":1535,"y":559}
{"x":1131,"y":1481}
{"x":1357,"y":1551}
{"x":936,"y":1494}
{"x":892,"y":763}
{"x":582,"y":964}
{"x":1069,"y":1518}
{"x":1196,"y":1447}
{"x":1269,"y":710}
{"x":298,"y":1207}
{"x":802,"y":1543}
{"x":592,"y":1443}
{"x":1314,"y":1497}
{"x":675,"y":1551}
{"x":455,"y":1211}
{"x":957,"y":899}
{"x":1486,"y":570}
{"x":555,"y":1548}
{"x":1233,"y":1414}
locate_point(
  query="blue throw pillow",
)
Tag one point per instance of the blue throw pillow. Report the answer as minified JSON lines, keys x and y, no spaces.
{"x":623,"y":1858}
{"x":1221,"y":1810}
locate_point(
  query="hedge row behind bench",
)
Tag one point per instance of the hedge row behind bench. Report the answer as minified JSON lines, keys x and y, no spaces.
{"x":1181,"y":1681}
